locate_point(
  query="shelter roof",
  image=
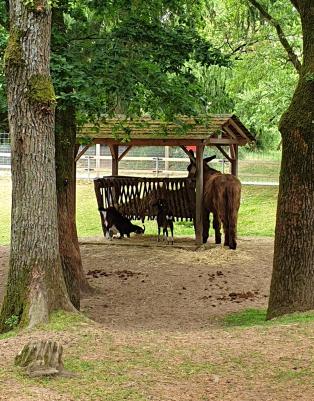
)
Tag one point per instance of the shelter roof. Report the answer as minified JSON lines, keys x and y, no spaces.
{"x":222,"y":129}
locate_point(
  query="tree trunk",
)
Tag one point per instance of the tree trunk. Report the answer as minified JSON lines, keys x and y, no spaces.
{"x":36,"y":285}
{"x":292,"y":285}
{"x":75,"y":279}
{"x":74,"y":276}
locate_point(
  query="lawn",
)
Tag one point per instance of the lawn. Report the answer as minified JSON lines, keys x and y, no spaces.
{"x":244,"y":362}
{"x":256,"y":218}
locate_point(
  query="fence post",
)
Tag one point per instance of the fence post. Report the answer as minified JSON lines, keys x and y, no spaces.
{"x":97,"y":166}
{"x":167,"y":153}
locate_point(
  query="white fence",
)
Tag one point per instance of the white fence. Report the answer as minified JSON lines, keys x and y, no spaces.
{"x":155,"y":162}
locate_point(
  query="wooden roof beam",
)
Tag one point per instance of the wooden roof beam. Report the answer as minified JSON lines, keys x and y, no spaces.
{"x":238,"y":128}
{"x":229,"y":131}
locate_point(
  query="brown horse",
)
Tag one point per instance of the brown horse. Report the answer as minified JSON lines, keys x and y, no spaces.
{"x":222,"y":193}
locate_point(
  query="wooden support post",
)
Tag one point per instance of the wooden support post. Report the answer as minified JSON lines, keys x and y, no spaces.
{"x":199,"y":195}
{"x":114,"y":149}
{"x":234,"y":162}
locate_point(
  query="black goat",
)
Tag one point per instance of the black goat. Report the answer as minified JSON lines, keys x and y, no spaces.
{"x":164,"y":219}
{"x":115,"y":221}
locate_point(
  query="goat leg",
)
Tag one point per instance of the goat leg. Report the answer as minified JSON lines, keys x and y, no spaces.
{"x":171,"y":229}
{"x":165,"y":234}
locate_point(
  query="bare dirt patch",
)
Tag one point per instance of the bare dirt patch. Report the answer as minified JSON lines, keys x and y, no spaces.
{"x":142,"y":285}
{"x":145,"y":285}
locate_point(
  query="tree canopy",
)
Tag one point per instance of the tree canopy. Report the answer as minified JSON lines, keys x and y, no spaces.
{"x":166,"y":58}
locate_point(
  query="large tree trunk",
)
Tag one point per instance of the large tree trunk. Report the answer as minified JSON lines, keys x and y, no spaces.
{"x":292,"y":286}
{"x":75,"y":279}
{"x":36,"y":285}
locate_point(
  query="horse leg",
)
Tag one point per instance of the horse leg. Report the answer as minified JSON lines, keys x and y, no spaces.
{"x":226,"y":231}
{"x":232,"y":235}
{"x":206,"y":223}
{"x":217,"y":227}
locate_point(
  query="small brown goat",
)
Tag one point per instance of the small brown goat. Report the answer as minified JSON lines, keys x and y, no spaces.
{"x":222,"y":193}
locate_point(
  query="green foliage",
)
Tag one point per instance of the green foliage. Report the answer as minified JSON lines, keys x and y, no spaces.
{"x":39,"y":5}
{"x":161,"y":58}
{"x":12,"y":322}
{"x":142,"y":63}
{"x":261,"y":81}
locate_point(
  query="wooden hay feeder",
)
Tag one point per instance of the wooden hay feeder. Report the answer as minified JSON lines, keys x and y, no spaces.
{"x":135,"y":197}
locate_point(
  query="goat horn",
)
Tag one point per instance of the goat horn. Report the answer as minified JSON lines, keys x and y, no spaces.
{"x":210,"y":158}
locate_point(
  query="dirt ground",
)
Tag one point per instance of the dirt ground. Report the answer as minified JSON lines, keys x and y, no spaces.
{"x":142,"y":285}
{"x":156,"y":337}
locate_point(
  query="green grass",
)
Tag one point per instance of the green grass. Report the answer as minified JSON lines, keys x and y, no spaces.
{"x":5,"y":210}
{"x":61,"y":321}
{"x":257,"y":317}
{"x":141,"y":366}
{"x":256,"y":216}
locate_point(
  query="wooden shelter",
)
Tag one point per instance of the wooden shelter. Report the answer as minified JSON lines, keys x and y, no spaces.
{"x":225,"y":132}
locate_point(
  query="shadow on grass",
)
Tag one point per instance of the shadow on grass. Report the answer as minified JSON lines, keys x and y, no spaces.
{"x":257,"y":317}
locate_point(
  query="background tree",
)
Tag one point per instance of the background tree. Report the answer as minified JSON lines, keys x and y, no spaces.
{"x":35,"y":282}
{"x":261,"y":82}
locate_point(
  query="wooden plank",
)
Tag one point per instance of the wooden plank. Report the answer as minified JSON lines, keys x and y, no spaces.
{"x":124,"y":153}
{"x":199,"y":196}
{"x":229,"y":131}
{"x":151,"y":142}
{"x":187,"y":152}
{"x":82,"y":152}
{"x":225,"y":141}
{"x":224,"y":153}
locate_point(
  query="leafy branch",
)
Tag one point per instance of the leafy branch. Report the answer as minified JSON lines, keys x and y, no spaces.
{"x":282,"y":37}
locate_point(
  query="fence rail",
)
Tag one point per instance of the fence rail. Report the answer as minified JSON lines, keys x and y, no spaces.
{"x":158,"y":162}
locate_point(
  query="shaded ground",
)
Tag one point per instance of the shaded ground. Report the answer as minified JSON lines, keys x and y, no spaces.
{"x":173,"y":288}
{"x":145,"y":286}
{"x":161,"y":334}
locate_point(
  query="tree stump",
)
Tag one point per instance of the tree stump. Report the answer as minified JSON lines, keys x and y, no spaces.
{"x":41,"y":358}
